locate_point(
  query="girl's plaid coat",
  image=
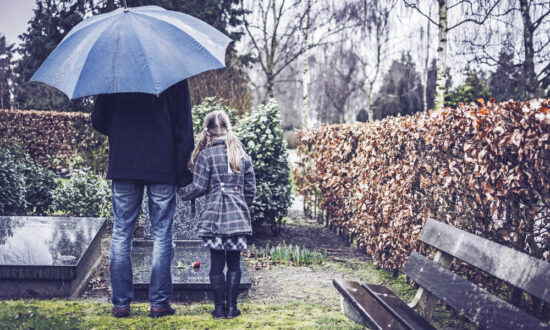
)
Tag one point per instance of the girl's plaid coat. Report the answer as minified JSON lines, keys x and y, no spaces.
{"x":228,"y":195}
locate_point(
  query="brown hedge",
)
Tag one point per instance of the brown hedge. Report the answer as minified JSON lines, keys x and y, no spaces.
{"x":483,"y":168}
{"x":49,"y":134}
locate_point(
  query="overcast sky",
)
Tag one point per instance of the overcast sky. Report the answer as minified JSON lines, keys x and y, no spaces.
{"x":14,"y":16}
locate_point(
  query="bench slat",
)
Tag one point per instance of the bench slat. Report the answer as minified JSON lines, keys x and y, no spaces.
{"x":518,"y":269}
{"x":397,"y":307}
{"x":474,"y":302}
{"x":377,"y":316}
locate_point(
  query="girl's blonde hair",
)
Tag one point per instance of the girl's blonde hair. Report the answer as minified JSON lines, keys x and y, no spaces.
{"x":217,"y":124}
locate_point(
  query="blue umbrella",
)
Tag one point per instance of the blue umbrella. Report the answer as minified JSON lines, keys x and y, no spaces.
{"x":143,"y":49}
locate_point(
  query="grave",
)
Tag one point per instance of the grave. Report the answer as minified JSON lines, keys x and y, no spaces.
{"x":45,"y":257}
{"x":189,"y":284}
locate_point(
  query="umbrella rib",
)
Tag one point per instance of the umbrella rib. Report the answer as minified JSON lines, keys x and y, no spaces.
{"x":94,"y":20}
{"x":88,"y":55}
{"x":147,"y":57}
{"x":187,"y":34}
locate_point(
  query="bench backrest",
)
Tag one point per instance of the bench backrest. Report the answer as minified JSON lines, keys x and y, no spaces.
{"x":527,"y":273}
{"x":474,"y":302}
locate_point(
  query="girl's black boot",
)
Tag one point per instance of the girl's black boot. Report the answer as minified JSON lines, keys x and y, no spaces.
{"x":232,"y":284}
{"x":217,"y":284}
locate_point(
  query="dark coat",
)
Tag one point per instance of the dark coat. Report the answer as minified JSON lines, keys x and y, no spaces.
{"x":228,"y":195}
{"x":150,"y":137}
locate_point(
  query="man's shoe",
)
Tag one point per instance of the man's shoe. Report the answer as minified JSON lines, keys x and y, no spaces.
{"x":159,"y":312}
{"x":121,"y":312}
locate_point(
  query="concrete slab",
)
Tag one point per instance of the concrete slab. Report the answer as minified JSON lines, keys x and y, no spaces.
{"x":44,"y":257}
{"x":189,"y":284}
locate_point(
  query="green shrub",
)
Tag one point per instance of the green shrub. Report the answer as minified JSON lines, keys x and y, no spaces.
{"x":12,"y":184}
{"x":262,"y":136}
{"x":25,"y":186}
{"x":208,"y":105}
{"x":84,"y":194}
{"x":40,"y":182}
{"x":293,"y":255}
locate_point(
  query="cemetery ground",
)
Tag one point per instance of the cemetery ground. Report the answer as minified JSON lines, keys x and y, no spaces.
{"x":282,"y":295}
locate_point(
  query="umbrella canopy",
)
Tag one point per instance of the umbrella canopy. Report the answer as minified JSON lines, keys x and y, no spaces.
{"x":143,"y":49}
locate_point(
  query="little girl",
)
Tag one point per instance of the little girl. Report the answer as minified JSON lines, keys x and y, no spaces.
{"x":223,"y":171}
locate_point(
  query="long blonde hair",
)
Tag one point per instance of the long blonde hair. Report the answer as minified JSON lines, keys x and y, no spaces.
{"x":217,"y":124}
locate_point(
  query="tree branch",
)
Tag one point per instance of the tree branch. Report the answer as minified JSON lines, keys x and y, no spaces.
{"x":415,"y":7}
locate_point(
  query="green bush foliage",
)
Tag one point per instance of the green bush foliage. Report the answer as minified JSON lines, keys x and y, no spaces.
{"x":25,"y":186}
{"x":12,"y":185}
{"x":262,"y":135}
{"x":293,"y":255}
{"x":474,"y":88}
{"x":84,"y":194}
{"x":40,"y":183}
{"x":48,"y":135}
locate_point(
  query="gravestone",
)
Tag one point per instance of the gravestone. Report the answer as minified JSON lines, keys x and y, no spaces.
{"x":185,"y":223}
{"x":189,"y":284}
{"x":44,"y":257}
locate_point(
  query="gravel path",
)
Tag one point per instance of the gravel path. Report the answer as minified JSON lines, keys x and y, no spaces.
{"x":273,"y":283}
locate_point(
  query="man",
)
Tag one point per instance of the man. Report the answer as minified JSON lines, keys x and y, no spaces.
{"x":150,"y":141}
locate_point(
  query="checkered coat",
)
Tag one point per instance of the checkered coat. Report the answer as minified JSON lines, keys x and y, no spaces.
{"x":228,"y":195}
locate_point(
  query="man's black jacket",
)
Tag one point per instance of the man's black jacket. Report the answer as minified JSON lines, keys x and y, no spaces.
{"x":150,"y":137}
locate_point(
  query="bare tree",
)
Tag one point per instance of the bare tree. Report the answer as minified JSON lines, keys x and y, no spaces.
{"x":340,"y":85}
{"x":375,"y":26}
{"x":308,"y":119}
{"x":474,"y":11}
{"x":520,"y":28}
{"x":425,"y":76}
{"x":352,"y":66}
{"x":274,"y":28}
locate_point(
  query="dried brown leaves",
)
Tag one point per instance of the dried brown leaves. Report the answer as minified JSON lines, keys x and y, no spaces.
{"x":483,"y":168}
{"x":47,"y":134}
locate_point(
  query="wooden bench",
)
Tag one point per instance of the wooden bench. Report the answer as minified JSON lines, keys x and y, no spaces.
{"x":377,"y":307}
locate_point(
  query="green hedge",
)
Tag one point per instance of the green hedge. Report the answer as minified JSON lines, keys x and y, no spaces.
{"x":25,"y":186}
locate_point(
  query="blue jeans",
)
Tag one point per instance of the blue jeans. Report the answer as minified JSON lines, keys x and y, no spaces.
{"x":127,"y":198}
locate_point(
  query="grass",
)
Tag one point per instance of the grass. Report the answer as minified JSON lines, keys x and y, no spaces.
{"x":368,"y":273}
{"x":64,"y":314}
{"x":289,"y":254}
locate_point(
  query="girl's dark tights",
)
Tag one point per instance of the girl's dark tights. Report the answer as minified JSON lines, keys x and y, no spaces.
{"x":218,"y":258}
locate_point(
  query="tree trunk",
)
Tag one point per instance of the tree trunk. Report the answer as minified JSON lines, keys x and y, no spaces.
{"x":441,"y":56}
{"x":529,"y":64}
{"x":270,"y":55}
{"x":306,"y":118}
{"x":372,"y":81}
{"x":269,"y":93}
{"x":427,"y":62}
